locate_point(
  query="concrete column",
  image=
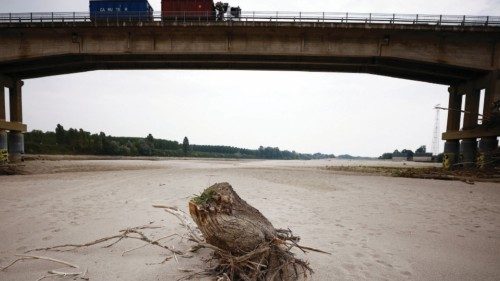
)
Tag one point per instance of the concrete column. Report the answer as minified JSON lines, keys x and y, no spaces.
{"x":485,"y":157}
{"x":492,"y":96}
{"x":452,"y":147}
{"x":468,"y":147}
{"x":16,"y":139}
{"x":3,"y":133}
{"x":491,"y":116}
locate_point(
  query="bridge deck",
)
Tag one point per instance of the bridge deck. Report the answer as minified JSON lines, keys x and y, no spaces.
{"x":431,"y":53}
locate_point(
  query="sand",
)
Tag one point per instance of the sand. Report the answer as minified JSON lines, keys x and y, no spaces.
{"x":377,"y":228}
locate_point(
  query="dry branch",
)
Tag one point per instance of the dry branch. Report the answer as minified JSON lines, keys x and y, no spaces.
{"x":50,"y":273}
{"x":194,"y":233}
{"x":30,"y":257}
{"x":56,"y":273}
{"x":155,"y":241}
{"x":129,"y":233}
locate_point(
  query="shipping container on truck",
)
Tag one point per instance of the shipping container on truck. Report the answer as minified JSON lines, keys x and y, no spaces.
{"x":202,"y":10}
{"x":123,"y":10}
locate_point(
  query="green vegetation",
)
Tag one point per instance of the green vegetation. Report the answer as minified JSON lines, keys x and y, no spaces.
{"x":204,"y":197}
{"x":406,"y":153}
{"x":185,"y":146}
{"x":350,"y":157}
{"x":421,"y":150}
{"x":4,"y":156}
{"x":75,"y":142}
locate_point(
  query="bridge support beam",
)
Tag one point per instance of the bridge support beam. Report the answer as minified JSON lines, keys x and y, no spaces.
{"x":491,"y":117}
{"x":452,"y":147}
{"x":468,"y":147}
{"x":16,"y":138}
{"x":3,"y":133}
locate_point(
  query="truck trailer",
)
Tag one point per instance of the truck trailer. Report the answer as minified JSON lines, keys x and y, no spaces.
{"x":132,"y":10}
{"x":188,"y":9}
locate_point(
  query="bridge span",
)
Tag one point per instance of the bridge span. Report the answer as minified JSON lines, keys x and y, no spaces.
{"x":460,"y":52}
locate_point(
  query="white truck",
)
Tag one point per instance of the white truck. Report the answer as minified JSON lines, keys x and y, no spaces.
{"x":226,"y":12}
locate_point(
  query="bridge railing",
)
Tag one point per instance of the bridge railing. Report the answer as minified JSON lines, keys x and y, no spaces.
{"x":181,"y":16}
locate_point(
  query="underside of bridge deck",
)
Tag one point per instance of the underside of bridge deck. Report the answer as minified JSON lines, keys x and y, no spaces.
{"x":398,"y":68}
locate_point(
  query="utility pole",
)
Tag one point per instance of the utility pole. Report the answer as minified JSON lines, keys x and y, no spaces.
{"x":437,"y":131}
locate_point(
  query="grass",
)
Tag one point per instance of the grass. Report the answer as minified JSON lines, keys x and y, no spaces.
{"x":205,"y":197}
{"x":467,"y":175}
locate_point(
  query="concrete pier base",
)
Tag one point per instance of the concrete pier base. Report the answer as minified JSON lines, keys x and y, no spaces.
{"x":451,"y":154}
{"x":468,"y":152}
{"x":485,"y":156}
{"x":3,"y":147}
{"x":3,"y":140}
{"x":16,"y":138}
{"x":15,"y":146}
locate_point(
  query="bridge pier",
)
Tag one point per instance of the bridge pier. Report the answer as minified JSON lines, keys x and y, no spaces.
{"x":452,"y":146}
{"x":468,"y":146}
{"x":461,"y":146}
{"x":491,"y":118}
{"x":3,"y":133}
{"x":487,"y":147}
{"x":16,"y":137}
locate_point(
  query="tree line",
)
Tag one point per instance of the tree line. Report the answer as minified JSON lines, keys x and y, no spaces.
{"x":408,"y":153}
{"x":78,"y":141}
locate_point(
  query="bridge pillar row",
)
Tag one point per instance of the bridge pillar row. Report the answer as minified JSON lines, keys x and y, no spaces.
{"x":3,"y":133}
{"x":468,"y":147}
{"x":16,"y":138}
{"x":491,"y":118}
{"x":452,"y":147}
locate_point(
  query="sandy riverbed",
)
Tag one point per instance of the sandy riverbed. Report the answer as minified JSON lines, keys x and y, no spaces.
{"x":378,"y":228}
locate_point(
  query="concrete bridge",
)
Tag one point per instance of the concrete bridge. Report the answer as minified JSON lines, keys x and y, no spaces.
{"x":462,"y":54}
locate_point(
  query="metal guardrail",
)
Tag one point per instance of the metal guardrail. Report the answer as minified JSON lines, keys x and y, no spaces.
{"x":311,"y":17}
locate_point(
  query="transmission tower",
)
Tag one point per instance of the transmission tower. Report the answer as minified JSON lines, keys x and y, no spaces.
{"x":437,"y":130}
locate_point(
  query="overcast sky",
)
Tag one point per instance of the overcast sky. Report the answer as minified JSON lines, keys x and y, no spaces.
{"x":335,"y":113}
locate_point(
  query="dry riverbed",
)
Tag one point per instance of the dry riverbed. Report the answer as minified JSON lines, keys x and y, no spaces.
{"x":376,"y":227}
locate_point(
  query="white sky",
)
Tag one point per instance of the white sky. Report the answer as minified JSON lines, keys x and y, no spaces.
{"x":335,"y":113}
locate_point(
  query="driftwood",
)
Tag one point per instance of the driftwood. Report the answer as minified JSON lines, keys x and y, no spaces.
{"x":129,"y":233}
{"x":31,"y":257}
{"x":250,"y":248}
{"x":229,"y":222}
{"x":51,"y":273}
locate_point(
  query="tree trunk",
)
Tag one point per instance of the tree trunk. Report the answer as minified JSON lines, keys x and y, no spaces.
{"x":251,"y":249}
{"x":228,"y":222}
